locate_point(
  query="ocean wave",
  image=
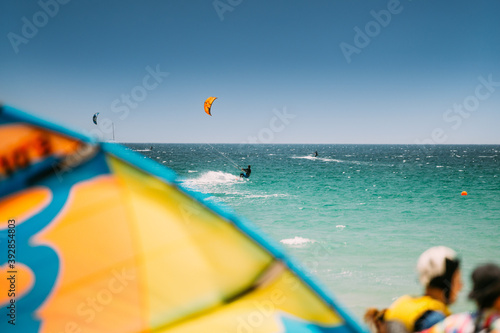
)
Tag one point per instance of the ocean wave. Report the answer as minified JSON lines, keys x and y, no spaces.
{"x":276,"y":195}
{"x":324,"y":159}
{"x":212,"y":178}
{"x":344,"y":273}
{"x":246,"y":194}
{"x":297,"y":241}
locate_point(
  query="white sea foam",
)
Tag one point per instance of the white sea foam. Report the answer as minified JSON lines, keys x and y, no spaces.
{"x":275,"y":195}
{"x":297,"y":241}
{"x":212,"y":178}
{"x":306,"y":157}
{"x":324,"y":159}
{"x":340,"y":226}
{"x":344,"y":273}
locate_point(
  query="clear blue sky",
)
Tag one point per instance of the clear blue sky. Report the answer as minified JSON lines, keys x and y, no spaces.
{"x":408,"y":77}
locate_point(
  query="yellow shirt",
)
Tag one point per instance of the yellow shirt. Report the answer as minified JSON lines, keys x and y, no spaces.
{"x":408,"y":309}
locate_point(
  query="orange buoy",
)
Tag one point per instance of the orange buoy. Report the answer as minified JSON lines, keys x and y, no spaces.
{"x":464,"y":193}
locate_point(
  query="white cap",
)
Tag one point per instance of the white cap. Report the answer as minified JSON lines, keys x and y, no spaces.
{"x":432,"y":263}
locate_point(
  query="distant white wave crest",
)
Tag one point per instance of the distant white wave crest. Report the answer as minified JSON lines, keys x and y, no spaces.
{"x":275,"y":195}
{"x":324,"y":159}
{"x":297,"y":241}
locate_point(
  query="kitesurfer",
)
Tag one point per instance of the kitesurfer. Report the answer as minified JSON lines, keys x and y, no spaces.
{"x":439,"y":274}
{"x":316,"y":153}
{"x":246,"y":172}
{"x":486,"y":293}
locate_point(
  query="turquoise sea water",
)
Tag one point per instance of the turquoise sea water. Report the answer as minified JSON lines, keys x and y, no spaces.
{"x":357,"y":216}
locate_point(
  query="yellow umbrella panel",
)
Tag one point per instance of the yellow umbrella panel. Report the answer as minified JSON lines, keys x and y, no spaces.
{"x":107,"y":241}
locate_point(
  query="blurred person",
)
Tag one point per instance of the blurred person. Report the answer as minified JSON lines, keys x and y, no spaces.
{"x":486,"y":293}
{"x":375,"y":320}
{"x":439,"y":273}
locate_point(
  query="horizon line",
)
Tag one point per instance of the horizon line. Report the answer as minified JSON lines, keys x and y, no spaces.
{"x":295,"y":143}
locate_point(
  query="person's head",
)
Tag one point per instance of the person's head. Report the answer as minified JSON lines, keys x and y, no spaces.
{"x":486,"y":287}
{"x":439,"y":272}
{"x":249,"y":166}
{"x":375,"y":319}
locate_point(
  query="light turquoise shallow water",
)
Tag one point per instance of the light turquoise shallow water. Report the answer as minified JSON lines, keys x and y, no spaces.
{"x":357,"y":216}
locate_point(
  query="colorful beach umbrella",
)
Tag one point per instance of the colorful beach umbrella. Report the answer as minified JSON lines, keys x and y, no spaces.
{"x":105,"y":240}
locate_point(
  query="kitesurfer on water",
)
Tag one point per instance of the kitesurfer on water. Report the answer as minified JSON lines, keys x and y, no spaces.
{"x":246,"y":172}
{"x":316,"y":153}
